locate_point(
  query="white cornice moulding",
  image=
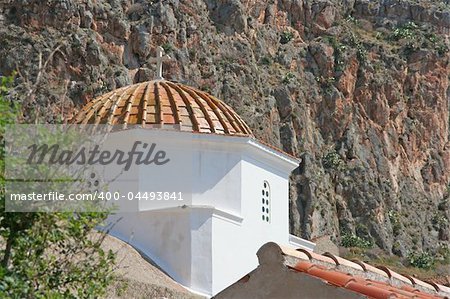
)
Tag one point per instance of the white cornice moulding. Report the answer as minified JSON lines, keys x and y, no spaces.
{"x":301,"y":243}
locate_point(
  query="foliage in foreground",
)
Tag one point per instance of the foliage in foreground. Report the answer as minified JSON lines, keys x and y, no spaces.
{"x":48,"y":255}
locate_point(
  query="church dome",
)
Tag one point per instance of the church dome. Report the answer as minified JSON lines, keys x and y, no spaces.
{"x":161,"y":102}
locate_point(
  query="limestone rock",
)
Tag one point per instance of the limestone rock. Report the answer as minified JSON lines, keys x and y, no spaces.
{"x":228,"y":14}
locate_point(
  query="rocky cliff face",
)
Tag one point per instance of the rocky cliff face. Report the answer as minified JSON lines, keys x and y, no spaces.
{"x":357,"y":88}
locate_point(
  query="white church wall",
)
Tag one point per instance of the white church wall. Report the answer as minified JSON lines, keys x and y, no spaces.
{"x":164,"y":236}
{"x":237,"y":243}
{"x":217,"y":180}
{"x":141,"y":182}
{"x":201,"y":250}
{"x":255,"y":174}
{"x":211,"y":241}
{"x":231,"y":249}
{"x":205,"y":166}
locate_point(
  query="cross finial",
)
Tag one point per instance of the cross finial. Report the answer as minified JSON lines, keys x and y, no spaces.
{"x":160,"y":57}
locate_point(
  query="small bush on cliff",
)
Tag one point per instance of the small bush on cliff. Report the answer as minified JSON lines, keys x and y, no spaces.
{"x":352,"y":240}
{"x":439,"y":221}
{"x":351,"y":19}
{"x":288,"y":78}
{"x":357,"y":44}
{"x":339,"y":50}
{"x":326,"y":84}
{"x":341,"y":46}
{"x":443,"y":254}
{"x":8,"y":110}
{"x":286,"y":37}
{"x":422,"y":260}
{"x":333,"y":160}
{"x":168,"y":48}
{"x":415,"y":37}
{"x":407,"y":30}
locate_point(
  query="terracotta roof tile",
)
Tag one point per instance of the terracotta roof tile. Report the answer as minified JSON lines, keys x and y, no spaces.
{"x":368,"y":287}
{"x":361,"y":277}
{"x":163,"y":102}
{"x":371,"y":291}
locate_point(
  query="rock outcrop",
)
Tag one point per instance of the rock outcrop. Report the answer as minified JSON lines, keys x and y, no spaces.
{"x":357,"y":88}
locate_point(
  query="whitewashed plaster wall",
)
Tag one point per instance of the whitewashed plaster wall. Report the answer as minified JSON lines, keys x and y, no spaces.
{"x":212,"y":242}
{"x":235,"y":243}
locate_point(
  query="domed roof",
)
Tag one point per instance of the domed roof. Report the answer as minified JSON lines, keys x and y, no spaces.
{"x":161,"y":102}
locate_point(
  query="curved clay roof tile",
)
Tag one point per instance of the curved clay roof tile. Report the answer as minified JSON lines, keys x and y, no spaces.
{"x":161,"y":102}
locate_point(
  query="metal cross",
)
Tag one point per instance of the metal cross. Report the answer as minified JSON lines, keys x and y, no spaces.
{"x":160,"y":57}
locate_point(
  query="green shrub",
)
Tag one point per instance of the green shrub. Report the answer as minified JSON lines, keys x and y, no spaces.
{"x":418,"y":37}
{"x":439,"y":221}
{"x":8,"y":110}
{"x":333,"y":160}
{"x":441,"y":48}
{"x":407,"y":30}
{"x":352,"y":240}
{"x":288,"y":78}
{"x":48,"y":255}
{"x":168,"y":48}
{"x":286,"y":37}
{"x":361,"y":51}
{"x":351,"y":19}
{"x":443,"y":254}
{"x":422,"y":260}
{"x":339,"y":50}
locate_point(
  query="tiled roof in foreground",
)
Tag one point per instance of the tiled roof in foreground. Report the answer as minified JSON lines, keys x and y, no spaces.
{"x":162,"y":102}
{"x":289,"y":273}
{"x":359,"y":277}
